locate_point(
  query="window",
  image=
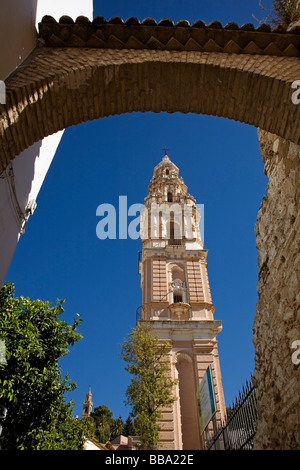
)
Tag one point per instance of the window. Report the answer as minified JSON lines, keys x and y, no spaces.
{"x":167,"y":172}
{"x":170,"y":197}
{"x":177,"y":298}
{"x":172,"y":230}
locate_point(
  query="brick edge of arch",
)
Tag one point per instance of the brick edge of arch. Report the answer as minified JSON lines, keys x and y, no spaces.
{"x":60,"y":87}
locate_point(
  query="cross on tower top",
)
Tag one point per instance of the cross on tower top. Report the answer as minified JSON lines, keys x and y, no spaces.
{"x":165,"y":149}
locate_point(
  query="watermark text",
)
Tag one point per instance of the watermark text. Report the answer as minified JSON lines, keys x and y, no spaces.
{"x":296,"y":353}
{"x":296,"y":94}
{"x":2,"y":92}
{"x":2,"y":352}
{"x":155,"y":221}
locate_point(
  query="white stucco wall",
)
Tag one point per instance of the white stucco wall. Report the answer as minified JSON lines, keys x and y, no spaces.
{"x":88,"y":445}
{"x":21,"y":182}
{"x":17,"y":33}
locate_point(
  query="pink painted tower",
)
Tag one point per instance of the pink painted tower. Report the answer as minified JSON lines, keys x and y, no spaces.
{"x":176,"y":300}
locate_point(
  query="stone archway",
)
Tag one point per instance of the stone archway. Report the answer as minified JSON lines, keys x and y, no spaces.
{"x":85,"y":70}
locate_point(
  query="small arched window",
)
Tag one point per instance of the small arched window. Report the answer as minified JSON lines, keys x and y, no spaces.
{"x":167,"y":172}
{"x":177,"y":298}
{"x":170,"y":197}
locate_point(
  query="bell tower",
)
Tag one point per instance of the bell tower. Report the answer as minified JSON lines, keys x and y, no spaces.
{"x":176,"y":301}
{"x":87,"y":405}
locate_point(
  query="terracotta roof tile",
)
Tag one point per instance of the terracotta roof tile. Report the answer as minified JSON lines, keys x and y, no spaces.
{"x":165,"y":35}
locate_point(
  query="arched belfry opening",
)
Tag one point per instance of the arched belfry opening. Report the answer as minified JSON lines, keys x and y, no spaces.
{"x":187,"y":405}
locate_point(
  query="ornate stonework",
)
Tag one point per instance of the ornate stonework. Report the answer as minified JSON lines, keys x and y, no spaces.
{"x":177,"y":301}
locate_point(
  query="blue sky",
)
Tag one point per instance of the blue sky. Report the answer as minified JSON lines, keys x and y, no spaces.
{"x":60,"y":255}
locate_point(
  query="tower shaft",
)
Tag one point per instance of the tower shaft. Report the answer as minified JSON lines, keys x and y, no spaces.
{"x":176,"y":301}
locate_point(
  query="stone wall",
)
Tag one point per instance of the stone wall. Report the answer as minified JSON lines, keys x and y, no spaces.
{"x":277,"y":319}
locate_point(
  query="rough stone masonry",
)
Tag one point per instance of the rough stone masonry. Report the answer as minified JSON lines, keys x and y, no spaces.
{"x":277,"y":319}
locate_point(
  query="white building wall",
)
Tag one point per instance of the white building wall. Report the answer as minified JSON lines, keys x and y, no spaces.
{"x":58,"y":8}
{"x":21,"y":181}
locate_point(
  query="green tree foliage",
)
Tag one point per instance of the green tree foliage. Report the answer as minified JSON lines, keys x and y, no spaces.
{"x":88,"y":427}
{"x":102,"y":426}
{"x":105,"y":427}
{"x":103,"y":419}
{"x":284,"y":12}
{"x":129,"y":429}
{"x":151,"y":386}
{"x":116,"y":428}
{"x":31,"y":386}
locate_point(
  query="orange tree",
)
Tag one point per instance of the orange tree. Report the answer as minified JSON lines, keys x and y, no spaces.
{"x":31,"y":386}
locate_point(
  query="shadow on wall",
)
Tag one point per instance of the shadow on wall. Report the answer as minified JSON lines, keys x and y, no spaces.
{"x":16,"y":185}
{"x":17,"y":32}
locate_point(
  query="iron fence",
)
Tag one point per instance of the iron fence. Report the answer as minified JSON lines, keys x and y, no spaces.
{"x":238,"y":431}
